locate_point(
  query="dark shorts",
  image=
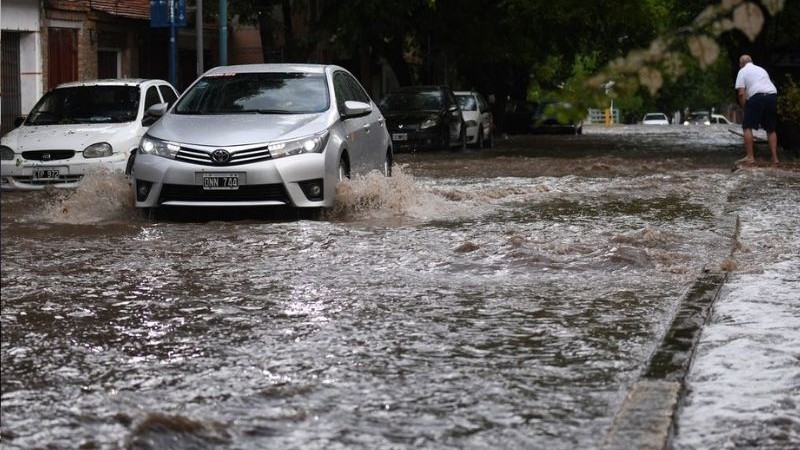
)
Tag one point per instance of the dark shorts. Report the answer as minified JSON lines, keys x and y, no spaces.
{"x":761,"y":111}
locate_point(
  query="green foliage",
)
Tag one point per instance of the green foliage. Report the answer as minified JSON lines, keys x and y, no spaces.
{"x":789,"y":101}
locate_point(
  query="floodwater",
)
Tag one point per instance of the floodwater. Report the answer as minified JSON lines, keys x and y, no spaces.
{"x":499,"y":298}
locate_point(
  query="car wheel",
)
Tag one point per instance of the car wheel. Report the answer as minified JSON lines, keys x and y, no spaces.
{"x":387,"y":163}
{"x":479,"y":142}
{"x":462,"y":140}
{"x":343,"y":171}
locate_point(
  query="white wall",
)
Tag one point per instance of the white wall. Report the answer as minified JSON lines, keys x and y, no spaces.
{"x":23,"y":16}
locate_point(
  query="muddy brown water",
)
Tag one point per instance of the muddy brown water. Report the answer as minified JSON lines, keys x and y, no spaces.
{"x":496,"y":298}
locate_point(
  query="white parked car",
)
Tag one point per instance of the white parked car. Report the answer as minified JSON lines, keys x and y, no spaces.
{"x":77,"y":127}
{"x":261,"y":135}
{"x":477,"y":117}
{"x":655,"y":119}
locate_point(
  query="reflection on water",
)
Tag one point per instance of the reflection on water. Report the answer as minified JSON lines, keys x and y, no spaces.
{"x":504,"y":298}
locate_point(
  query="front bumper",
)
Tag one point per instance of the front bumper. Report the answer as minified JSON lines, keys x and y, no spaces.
{"x":409,"y":139}
{"x":289,"y":181}
{"x":20,"y":174}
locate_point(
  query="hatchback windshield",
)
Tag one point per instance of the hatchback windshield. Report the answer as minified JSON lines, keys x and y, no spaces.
{"x":467,"y":102}
{"x":86,"y":104}
{"x":400,"y":101}
{"x":265,"y":93}
{"x":655,"y":117}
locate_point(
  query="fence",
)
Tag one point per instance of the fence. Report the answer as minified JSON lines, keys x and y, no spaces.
{"x":599,"y":115}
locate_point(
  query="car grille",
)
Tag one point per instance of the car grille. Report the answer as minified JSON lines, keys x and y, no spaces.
{"x":238,"y":157}
{"x":48,"y":155}
{"x":250,"y":192}
{"x":62,"y":179}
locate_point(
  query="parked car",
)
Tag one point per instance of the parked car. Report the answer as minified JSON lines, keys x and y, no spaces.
{"x":655,"y":118}
{"x":77,"y":127}
{"x":519,"y":117}
{"x":261,"y":135}
{"x":553,"y":117}
{"x":698,"y":118}
{"x":424,"y":118}
{"x":720,"y":119}
{"x":477,"y":117}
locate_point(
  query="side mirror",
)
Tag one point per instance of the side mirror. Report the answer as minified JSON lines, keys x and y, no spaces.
{"x":356,"y":109}
{"x":154,"y":113}
{"x":18,"y":121}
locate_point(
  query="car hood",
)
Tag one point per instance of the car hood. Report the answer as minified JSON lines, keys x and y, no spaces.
{"x":122,"y":137}
{"x":409,"y":116}
{"x":237,"y":129}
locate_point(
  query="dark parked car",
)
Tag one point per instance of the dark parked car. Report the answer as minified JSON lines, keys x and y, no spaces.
{"x":518,"y":117}
{"x":554,"y":117}
{"x":424,"y":118}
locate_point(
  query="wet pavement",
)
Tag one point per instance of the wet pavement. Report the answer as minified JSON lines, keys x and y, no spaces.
{"x":498,"y":298}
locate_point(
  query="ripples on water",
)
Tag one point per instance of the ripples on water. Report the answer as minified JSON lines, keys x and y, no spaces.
{"x":497,"y":299}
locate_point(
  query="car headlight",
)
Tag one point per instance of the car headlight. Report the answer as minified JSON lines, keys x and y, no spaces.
{"x":98,"y":150}
{"x":152,"y":146}
{"x":429,"y":123}
{"x":310,"y":144}
{"x":6,"y":154}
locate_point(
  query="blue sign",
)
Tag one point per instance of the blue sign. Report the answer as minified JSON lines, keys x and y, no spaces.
{"x":167,"y":13}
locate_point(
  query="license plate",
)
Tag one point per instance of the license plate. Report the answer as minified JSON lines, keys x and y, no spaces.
{"x":215,"y":181}
{"x":45,"y":174}
{"x":399,"y":136}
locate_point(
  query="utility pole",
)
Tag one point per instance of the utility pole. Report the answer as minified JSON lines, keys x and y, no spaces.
{"x":223,"y":32}
{"x":198,"y":27}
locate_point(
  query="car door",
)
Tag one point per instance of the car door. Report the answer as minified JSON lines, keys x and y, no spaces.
{"x":357,"y":129}
{"x":453,"y":116}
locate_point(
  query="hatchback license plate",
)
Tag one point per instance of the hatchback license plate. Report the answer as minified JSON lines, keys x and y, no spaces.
{"x":46,"y":174}
{"x":399,"y":136}
{"x":214,"y":181}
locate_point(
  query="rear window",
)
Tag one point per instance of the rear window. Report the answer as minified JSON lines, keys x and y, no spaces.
{"x":86,"y":104}
{"x":265,"y":93}
{"x":409,"y":101}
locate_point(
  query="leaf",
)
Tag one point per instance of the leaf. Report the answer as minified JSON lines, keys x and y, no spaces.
{"x":749,"y":19}
{"x":773,"y":6}
{"x":651,"y":78}
{"x":704,"y":49}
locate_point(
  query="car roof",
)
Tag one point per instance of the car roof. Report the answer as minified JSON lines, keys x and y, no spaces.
{"x":420,"y":88}
{"x":111,"y":82}
{"x":272,"y":68}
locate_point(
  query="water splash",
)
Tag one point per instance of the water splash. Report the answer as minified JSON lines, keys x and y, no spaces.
{"x":102,"y":196}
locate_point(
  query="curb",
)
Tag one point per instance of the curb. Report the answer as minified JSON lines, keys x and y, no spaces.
{"x":647,"y":415}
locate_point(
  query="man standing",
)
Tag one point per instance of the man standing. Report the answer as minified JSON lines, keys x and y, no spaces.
{"x":759,"y":98}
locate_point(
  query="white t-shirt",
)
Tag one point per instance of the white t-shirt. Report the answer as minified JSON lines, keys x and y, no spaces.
{"x":755,"y":80}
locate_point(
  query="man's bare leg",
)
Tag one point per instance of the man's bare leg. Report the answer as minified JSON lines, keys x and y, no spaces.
{"x":772,"y":140}
{"x":748,"y":146}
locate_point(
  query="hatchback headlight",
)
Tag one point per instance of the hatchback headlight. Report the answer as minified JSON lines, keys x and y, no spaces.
{"x":430,"y":122}
{"x":311,"y":144}
{"x":152,"y":146}
{"x":98,"y":150}
{"x":6,"y":154}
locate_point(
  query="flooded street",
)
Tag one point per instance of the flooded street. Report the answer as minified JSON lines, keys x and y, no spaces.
{"x":503,"y":298}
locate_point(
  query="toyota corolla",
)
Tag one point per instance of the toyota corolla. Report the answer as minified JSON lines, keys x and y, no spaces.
{"x":261,"y":135}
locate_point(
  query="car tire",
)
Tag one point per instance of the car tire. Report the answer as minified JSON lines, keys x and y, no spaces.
{"x":462,"y":140}
{"x":388,"y":162}
{"x":343,"y":170}
{"x":479,"y":141}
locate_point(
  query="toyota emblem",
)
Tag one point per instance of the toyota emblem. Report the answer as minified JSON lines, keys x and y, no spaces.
{"x":220,"y":156}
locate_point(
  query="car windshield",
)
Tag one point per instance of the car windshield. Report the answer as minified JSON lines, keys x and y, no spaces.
{"x":467,"y":102}
{"x":655,"y":117}
{"x":86,"y":104}
{"x":411,"y":101}
{"x":264,"y":93}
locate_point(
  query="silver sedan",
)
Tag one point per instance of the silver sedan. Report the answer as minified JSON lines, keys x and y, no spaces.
{"x":261,"y":135}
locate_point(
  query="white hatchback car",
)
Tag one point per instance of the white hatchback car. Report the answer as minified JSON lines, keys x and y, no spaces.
{"x":261,"y":135}
{"x":77,"y":127}
{"x":655,"y":119}
{"x":478,"y":118}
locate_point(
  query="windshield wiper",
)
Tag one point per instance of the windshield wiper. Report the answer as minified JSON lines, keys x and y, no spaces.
{"x":271,"y":111}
